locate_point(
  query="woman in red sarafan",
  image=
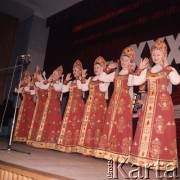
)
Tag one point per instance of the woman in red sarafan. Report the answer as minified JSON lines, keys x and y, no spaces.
{"x":40,"y":86}
{"x":154,"y":145}
{"x":95,"y":109}
{"x":116,"y":139}
{"x":70,"y":129}
{"x":51,"y":119}
{"x":26,"y":109}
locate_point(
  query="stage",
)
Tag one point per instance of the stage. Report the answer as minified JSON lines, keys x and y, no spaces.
{"x":58,"y":165}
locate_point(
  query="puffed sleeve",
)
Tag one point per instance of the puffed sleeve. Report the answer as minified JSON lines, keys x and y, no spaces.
{"x":174,"y":77}
{"x":131,"y":92}
{"x":139,"y":79}
{"x":65,"y":87}
{"x":37,"y":84}
{"x":44,"y":86}
{"x":79,"y":85}
{"x":103,"y":87}
{"x":26,"y":89}
{"x":58,"y":86}
{"x":85,"y":86}
{"x":130,"y":80}
{"x":107,"y":77}
{"x":32,"y":92}
{"x":169,"y":88}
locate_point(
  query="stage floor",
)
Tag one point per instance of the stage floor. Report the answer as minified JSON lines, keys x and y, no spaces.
{"x":73,"y":166}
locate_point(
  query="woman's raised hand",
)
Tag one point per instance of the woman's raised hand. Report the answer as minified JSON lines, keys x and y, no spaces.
{"x":84,"y":73}
{"x":68,"y":77}
{"x":143,"y":63}
{"x":113,"y":65}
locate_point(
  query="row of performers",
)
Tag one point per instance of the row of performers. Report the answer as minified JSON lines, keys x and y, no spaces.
{"x":95,"y":129}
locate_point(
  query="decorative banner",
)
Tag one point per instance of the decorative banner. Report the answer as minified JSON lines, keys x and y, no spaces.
{"x":173,"y":43}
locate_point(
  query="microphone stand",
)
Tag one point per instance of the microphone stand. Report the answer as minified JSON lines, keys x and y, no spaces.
{"x":12,"y":67}
{"x":9,"y":147}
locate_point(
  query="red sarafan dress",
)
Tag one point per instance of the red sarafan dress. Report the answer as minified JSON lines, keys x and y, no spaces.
{"x":116,"y":138}
{"x":41,"y":97}
{"x":70,"y":129}
{"x":93,"y":118}
{"x":25,"y":114}
{"x":155,"y":139}
{"x":50,"y":124}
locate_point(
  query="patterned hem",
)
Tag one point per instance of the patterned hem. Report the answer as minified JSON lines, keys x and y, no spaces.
{"x":43,"y":145}
{"x":30,"y":142}
{"x":112,"y":156}
{"x":158,"y":164}
{"x":67,"y":149}
{"x":20,"y":139}
{"x":86,"y":151}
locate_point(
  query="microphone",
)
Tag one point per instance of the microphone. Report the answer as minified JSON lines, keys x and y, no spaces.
{"x":26,"y":58}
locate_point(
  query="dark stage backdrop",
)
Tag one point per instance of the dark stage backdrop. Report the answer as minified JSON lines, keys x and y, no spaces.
{"x":8,"y":28}
{"x":92,"y":28}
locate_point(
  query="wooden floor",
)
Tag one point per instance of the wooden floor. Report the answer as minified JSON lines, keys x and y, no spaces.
{"x":60,"y":165}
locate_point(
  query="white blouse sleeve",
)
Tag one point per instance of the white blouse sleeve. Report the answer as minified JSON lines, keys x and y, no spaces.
{"x":18,"y":90}
{"x":169,"y":88}
{"x":103,"y":87}
{"x":138,"y":80}
{"x":58,"y":86}
{"x":65,"y":88}
{"x":130,"y":78}
{"x":37,"y":84}
{"x":107,"y":77}
{"x":44,"y":86}
{"x":131,"y":92}
{"x":79,"y":85}
{"x":26,"y":89}
{"x":174,"y":77}
{"x":32,"y":92}
{"x":85,"y":86}
{"x":61,"y":97}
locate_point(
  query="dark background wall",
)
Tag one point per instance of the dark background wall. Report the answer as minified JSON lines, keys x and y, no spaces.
{"x":8,"y":28}
{"x":27,"y":36}
{"x":93,"y":28}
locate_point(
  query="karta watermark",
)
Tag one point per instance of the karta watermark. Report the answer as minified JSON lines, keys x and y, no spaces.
{"x":115,"y":169}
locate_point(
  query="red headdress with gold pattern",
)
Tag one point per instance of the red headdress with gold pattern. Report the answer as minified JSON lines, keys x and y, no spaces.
{"x":27,"y":74}
{"x":129,"y":52}
{"x":78,"y":64}
{"x":59,"y":70}
{"x":100,"y":60}
{"x":159,"y":44}
{"x":38,"y":71}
